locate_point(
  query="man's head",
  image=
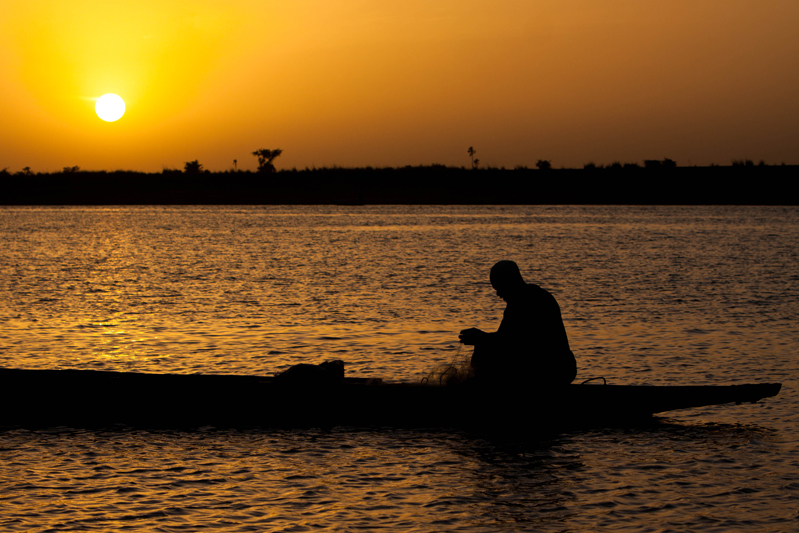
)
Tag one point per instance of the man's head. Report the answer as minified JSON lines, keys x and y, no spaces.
{"x":506,"y":279}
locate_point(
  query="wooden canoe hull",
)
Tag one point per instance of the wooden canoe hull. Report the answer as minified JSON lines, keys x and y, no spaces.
{"x":84,"y":397}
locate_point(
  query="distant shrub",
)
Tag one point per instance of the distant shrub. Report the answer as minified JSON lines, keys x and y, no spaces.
{"x":71,"y":170}
{"x":543,"y":164}
{"x":193,"y":167}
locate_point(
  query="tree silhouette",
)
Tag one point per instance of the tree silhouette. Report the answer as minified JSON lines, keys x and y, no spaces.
{"x":265,"y":158}
{"x":193,"y":167}
{"x":471,"y":151}
{"x":543,"y":164}
{"x":71,"y":170}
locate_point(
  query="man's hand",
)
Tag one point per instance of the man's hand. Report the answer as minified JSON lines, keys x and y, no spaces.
{"x":472,"y":336}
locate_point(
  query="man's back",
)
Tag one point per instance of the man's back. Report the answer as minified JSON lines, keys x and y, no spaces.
{"x":532,"y":323}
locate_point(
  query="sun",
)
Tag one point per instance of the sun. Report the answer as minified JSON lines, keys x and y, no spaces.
{"x":110,"y":107}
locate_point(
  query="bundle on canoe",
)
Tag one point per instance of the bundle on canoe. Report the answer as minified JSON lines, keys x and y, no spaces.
{"x":90,"y":397}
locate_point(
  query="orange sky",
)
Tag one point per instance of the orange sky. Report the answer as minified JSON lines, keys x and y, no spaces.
{"x":389,"y":82}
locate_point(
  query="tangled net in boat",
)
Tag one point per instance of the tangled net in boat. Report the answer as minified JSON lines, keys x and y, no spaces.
{"x":458,"y":371}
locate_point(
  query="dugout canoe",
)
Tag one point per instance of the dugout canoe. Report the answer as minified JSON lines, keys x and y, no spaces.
{"x":79,"y":398}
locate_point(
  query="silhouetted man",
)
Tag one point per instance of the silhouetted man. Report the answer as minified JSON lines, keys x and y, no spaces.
{"x":530,"y":345}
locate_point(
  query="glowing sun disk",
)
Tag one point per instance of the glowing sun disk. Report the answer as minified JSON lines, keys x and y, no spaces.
{"x":110,"y":107}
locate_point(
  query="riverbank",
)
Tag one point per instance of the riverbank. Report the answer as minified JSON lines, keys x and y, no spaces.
{"x":437,"y":184}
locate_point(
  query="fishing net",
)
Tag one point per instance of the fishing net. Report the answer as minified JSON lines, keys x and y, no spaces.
{"x":457,"y":371}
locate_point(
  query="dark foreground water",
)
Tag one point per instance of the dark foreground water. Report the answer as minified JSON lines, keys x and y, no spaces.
{"x":650,"y":295}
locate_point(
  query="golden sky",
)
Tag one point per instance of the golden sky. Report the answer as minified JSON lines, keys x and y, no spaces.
{"x":398,"y":82}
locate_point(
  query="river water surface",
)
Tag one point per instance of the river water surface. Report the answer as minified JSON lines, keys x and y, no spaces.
{"x":650,"y":295}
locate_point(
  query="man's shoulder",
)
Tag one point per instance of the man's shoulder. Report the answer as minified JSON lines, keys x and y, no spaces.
{"x":537,"y":290}
{"x":539,"y":294}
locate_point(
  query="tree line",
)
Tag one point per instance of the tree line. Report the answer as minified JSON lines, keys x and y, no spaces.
{"x":266,"y":158}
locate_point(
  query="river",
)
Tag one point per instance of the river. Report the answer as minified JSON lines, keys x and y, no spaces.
{"x":649,"y":295}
